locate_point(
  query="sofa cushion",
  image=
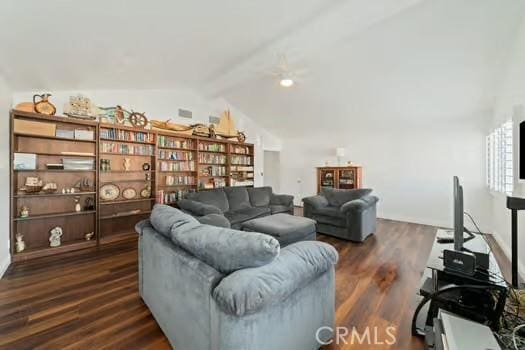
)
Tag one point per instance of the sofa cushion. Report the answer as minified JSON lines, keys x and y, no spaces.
{"x":214,"y":219}
{"x":198,"y":208}
{"x":250,"y":290}
{"x":330,"y":211}
{"x":225,"y":249}
{"x":276,"y":209}
{"x":213,"y":197}
{"x":337,"y":197}
{"x":237,"y":198}
{"x":163,"y":218}
{"x":242,"y":215}
{"x":260,"y":196}
{"x":329,"y":220}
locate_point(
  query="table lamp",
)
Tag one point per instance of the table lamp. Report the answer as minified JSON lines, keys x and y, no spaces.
{"x":340,"y":153}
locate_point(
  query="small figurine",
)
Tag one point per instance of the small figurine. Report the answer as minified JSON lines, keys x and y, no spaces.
{"x":63,"y":191}
{"x":20,"y":244}
{"x":55,"y":237}
{"x":77,"y":204}
{"x":89,"y":235}
{"x":127,"y":164}
{"x":24,"y":211}
{"x":120,"y":117}
{"x":89,"y":204}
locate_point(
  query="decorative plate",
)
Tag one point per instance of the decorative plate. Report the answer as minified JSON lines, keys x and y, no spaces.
{"x":109,"y":192}
{"x":129,"y":193}
{"x":145,"y":193}
{"x":146,"y":166}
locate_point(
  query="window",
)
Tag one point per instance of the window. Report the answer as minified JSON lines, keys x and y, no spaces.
{"x":500,"y":176}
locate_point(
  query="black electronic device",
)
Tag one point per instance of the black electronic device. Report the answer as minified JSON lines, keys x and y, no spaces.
{"x":515,"y":204}
{"x":459,"y":227}
{"x":460,"y":261}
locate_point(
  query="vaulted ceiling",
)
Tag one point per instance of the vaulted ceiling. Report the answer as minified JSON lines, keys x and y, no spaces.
{"x":381,"y":60}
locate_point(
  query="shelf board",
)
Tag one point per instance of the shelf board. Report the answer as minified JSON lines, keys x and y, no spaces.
{"x":241,"y":154}
{"x":177,"y":148}
{"x":128,"y":141}
{"x":122,"y":215}
{"x":126,"y":171}
{"x":132,"y":180}
{"x":208,"y":176}
{"x":54,"y":170}
{"x":53,"y":138}
{"x":117,"y":237}
{"x":126,"y":201}
{"x":31,"y":253}
{"x":223,"y":164}
{"x":59,"y":154}
{"x":53,"y":194}
{"x":178,"y":171}
{"x":55,"y":215}
{"x":176,"y":185}
{"x":125,"y":127}
{"x":217,"y":152}
{"x":54,"y":118}
{"x":128,"y":155}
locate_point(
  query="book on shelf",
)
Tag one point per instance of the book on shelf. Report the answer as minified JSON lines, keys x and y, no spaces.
{"x":212,"y":147}
{"x":179,"y":180}
{"x":177,"y":166}
{"x":240,"y":149}
{"x":241,"y":168}
{"x":126,"y":135}
{"x":208,"y":158}
{"x":167,"y":197}
{"x":241,"y":160}
{"x":213,"y":170}
{"x":166,"y":141}
{"x":112,"y":147}
{"x":235,"y":183}
{"x":175,"y":155}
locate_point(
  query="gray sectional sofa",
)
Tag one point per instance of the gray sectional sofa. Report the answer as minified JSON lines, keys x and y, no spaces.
{"x":231,"y":206}
{"x":347,"y":214}
{"x":214,"y":288}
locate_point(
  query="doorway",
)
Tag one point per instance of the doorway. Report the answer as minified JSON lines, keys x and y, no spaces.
{"x":272,"y":170}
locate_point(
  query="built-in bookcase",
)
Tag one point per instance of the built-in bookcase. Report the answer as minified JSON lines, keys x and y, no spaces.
{"x":147,"y":167}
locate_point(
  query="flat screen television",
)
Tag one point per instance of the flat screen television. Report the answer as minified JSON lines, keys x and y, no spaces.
{"x":459,"y":226}
{"x":522,"y":150}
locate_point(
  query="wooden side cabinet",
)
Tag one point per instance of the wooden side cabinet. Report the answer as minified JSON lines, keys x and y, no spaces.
{"x":344,"y":177}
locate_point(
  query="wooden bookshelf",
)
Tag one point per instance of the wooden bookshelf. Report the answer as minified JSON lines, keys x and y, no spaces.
{"x":344,"y":177}
{"x":178,"y":164}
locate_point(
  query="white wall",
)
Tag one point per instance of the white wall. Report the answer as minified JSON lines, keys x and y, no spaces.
{"x":509,"y":104}
{"x":164,"y":105}
{"x":5,"y":105}
{"x":410,"y":168}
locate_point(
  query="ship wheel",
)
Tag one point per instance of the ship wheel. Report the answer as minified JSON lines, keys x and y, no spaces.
{"x":138,"y":120}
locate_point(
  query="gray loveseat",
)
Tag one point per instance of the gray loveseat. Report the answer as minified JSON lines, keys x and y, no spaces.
{"x":231,"y":206}
{"x":347,"y":214}
{"x":213,"y":288}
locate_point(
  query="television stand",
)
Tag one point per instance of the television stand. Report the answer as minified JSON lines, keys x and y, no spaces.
{"x":468,"y":296}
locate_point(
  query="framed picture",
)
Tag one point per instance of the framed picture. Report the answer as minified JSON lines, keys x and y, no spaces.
{"x":25,"y":161}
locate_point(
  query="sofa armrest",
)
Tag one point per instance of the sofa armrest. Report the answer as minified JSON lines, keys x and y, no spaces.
{"x":281,"y":199}
{"x":141,"y":225}
{"x":247,"y":291}
{"x":317,"y":202}
{"x":198,"y":208}
{"x":359,"y":205}
{"x":218,"y":220}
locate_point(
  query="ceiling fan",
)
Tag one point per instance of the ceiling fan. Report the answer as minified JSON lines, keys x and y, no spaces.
{"x":284,"y":72}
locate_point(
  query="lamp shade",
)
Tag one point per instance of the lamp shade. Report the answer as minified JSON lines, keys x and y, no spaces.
{"x":340,"y":152}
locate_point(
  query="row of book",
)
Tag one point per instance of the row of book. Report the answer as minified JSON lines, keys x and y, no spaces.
{"x":171,"y":180}
{"x":212,"y":147}
{"x":241,"y":168}
{"x":240,"y":149}
{"x":207,"y":158}
{"x":165,"y":141}
{"x":168,"y":197}
{"x":241,"y":160}
{"x":112,"y":147}
{"x":125,"y":135}
{"x":213,"y":183}
{"x":235,"y":183}
{"x":175,"y":155}
{"x":213,"y":170}
{"x":177,"y":166}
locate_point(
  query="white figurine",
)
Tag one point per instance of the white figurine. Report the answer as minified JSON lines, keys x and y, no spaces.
{"x":20,"y":244}
{"x":54,"y":237}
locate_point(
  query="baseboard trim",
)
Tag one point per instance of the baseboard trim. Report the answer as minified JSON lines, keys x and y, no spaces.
{"x":4,"y":264}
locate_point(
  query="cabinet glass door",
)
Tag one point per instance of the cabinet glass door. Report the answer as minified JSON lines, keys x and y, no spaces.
{"x":327,"y":178}
{"x":346,"y":179}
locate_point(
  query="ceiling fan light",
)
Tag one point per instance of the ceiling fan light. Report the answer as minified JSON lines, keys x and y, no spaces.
{"x":286,"y":82}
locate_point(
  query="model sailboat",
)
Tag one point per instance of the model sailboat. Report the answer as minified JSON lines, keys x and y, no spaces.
{"x":226,"y":126}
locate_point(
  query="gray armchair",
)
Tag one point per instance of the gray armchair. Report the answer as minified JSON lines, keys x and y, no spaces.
{"x":347,"y":214}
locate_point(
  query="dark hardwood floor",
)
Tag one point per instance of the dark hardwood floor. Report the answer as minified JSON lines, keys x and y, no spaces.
{"x":89,"y":299}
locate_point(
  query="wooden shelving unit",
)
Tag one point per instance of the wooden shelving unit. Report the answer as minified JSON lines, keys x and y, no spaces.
{"x":178,"y":164}
{"x":48,"y":210}
{"x":344,"y":177}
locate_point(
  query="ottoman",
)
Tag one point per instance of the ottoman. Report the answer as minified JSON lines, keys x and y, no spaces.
{"x":285,"y":228}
